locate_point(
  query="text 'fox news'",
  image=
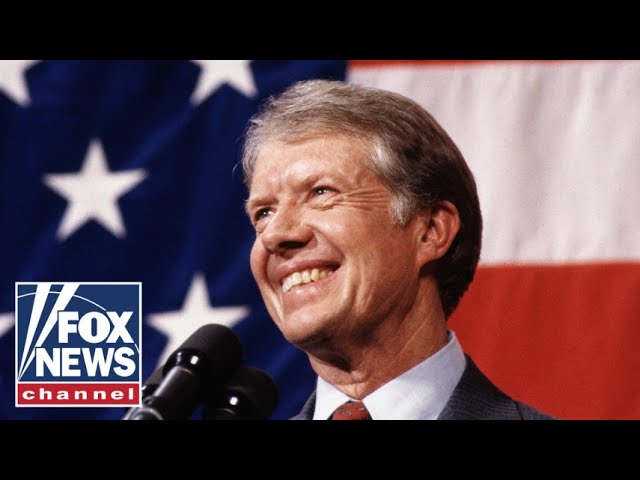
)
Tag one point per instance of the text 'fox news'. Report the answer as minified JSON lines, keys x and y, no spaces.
{"x":78,"y":344}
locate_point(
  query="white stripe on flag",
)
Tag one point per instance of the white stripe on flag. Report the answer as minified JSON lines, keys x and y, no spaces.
{"x":554,"y":147}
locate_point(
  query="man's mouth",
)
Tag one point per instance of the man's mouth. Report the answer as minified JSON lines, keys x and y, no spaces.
{"x":305,"y":276}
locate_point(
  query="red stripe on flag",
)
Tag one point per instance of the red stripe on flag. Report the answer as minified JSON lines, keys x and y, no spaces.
{"x":563,"y":338}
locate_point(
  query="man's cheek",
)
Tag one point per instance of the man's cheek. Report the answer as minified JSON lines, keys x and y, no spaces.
{"x":255,"y":263}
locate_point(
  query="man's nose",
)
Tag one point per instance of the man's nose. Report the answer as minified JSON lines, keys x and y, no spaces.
{"x":286,"y":232}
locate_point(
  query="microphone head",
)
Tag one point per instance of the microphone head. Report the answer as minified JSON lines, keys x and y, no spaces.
{"x":204,"y":362}
{"x":213,"y":351}
{"x":251,"y":394}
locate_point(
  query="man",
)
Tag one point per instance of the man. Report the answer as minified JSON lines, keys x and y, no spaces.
{"x":368,"y":231}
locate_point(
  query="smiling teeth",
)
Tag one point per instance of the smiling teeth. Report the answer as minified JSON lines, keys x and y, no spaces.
{"x":305,"y":276}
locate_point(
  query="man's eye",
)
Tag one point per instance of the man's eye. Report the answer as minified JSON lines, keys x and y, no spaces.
{"x":320,"y":190}
{"x":262,"y":213}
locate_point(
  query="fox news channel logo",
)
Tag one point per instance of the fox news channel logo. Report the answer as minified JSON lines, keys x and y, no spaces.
{"x":78,"y":344}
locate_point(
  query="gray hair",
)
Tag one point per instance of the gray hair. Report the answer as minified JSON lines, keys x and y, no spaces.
{"x":409,"y":151}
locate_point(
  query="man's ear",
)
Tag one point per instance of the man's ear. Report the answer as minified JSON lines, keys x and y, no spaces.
{"x":439,"y":226}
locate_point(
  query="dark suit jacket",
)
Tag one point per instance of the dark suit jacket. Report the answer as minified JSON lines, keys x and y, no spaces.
{"x":474,"y":398}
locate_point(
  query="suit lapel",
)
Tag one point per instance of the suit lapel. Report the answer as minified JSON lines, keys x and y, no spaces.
{"x":476,"y":398}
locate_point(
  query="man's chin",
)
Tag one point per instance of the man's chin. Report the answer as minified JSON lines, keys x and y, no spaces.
{"x":306,"y":337}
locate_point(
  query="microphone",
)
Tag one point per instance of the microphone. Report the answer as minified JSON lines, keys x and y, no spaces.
{"x":151,"y":385}
{"x":207,"y":359}
{"x":251,"y":394}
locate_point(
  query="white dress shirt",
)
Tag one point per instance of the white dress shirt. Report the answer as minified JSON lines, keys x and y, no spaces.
{"x":420,"y":393}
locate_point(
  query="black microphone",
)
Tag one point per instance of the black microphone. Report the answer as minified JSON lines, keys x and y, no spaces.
{"x":152,"y":383}
{"x":251,"y":394}
{"x":148,"y":387}
{"x":206,"y":360}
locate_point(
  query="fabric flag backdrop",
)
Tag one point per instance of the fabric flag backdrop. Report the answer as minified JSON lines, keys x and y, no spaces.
{"x":124,"y":171}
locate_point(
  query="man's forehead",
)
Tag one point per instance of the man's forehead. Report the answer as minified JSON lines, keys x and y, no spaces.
{"x":318,"y":150}
{"x":288,"y":165}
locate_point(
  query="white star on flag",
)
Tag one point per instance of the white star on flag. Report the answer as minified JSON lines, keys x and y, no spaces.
{"x":196,"y":312}
{"x":214,"y":73}
{"x":93,"y":193}
{"x":6,"y":322}
{"x":12,"y":80}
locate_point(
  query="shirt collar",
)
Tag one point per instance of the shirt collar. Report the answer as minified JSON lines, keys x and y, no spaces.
{"x":420,"y":393}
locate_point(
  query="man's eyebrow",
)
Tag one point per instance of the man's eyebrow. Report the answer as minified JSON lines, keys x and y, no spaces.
{"x":250,"y":203}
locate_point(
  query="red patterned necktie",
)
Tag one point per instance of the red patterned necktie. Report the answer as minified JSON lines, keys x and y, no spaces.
{"x":351,"y":411}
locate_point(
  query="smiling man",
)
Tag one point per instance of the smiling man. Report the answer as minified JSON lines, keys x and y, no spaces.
{"x":368,"y":231}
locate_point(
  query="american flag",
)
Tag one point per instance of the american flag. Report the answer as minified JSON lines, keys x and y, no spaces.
{"x":125,"y":171}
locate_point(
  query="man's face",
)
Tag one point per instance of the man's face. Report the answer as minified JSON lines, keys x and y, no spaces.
{"x":328,"y":258}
